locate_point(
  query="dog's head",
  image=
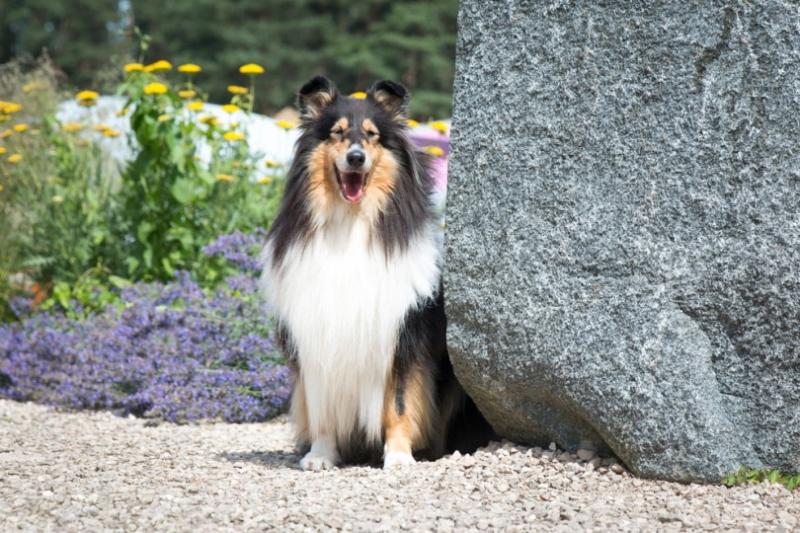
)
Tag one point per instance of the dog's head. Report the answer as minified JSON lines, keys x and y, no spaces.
{"x":352,"y":157}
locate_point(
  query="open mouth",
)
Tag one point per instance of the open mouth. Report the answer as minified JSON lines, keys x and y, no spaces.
{"x":351,"y":184}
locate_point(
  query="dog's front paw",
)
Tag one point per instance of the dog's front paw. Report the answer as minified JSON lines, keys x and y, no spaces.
{"x":316,"y":462}
{"x":393,"y":459}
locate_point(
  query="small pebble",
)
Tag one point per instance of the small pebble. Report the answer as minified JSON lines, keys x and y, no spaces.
{"x":95,"y":471}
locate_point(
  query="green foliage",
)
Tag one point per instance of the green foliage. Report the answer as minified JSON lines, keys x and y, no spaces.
{"x":171,"y":204}
{"x":354,"y":43}
{"x":54,"y":202}
{"x":82,"y":36}
{"x":90,"y":293}
{"x":72,"y":227}
{"x":749,"y":475}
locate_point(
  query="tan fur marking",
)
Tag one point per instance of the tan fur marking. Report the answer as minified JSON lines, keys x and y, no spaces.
{"x":368,"y":126}
{"x":299,"y":412}
{"x":316,"y":103}
{"x":321,"y":188}
{"x":412,"y":430}
{"x":342,"y":123}
{"x":381,"y":181}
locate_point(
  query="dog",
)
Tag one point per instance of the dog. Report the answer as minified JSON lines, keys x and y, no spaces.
{"x":352,"y":271}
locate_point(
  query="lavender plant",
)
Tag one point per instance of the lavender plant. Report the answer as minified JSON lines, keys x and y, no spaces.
{"x":171,"y":351}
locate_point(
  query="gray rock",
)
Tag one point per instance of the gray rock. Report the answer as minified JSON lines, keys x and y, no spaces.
{"x":623,"y":242}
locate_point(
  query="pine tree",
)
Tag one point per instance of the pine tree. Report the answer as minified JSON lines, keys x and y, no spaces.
{"x":81,"y":36}
{"x":354,"y":43}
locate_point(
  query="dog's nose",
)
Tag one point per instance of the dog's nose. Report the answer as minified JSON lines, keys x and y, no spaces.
{"x":356,"y":158}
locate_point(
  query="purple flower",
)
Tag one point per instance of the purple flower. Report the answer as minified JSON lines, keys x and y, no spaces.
{"x":174,"y":352}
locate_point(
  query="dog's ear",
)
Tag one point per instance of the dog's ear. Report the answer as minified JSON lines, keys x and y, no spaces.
{"x":390,"y":95}
{"x":315,"y":96}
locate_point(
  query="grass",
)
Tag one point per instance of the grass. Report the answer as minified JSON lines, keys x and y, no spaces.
{"x":751,"y":475}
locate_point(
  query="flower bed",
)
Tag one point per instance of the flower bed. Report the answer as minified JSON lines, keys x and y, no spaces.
{"x":171,"y":351}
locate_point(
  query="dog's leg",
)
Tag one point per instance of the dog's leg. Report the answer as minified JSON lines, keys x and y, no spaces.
{"x":323,"y":454}
{"x":409,"y":415}
{"x":299,"y":412}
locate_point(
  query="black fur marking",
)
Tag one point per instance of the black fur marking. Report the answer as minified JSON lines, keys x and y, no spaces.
{"x":316,"y":94}
{"x":391,"y":96}
{"x":284,"y":341}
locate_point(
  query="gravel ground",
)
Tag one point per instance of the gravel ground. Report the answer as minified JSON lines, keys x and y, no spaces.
{"x":95,"y":471}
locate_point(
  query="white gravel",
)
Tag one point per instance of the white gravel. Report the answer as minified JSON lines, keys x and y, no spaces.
{"x":95,"y":471}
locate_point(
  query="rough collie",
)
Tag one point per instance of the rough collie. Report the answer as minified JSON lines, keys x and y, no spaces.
{"x":352,"y":270}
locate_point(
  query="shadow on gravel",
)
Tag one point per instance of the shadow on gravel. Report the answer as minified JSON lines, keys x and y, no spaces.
{"x":269,"y":458}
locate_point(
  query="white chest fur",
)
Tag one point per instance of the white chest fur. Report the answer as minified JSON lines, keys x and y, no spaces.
{"x":343,"y":303}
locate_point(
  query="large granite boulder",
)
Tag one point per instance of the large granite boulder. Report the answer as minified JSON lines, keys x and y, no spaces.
{"x":623,"y":240}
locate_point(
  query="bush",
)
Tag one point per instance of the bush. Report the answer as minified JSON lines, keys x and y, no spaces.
{"x":54,"y":190}
{"x":73,"y":226}
{"x":171,"y":205}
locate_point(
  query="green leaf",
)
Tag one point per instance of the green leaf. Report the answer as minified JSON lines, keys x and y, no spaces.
{"x":143,"y":231}
{"x":62,"y":293}
{"x":183,"y":191}
{"x":118,"y":282}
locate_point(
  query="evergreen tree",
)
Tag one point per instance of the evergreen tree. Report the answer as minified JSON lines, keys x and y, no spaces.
{"x":81,"y":36}
{"x":354,"y":43}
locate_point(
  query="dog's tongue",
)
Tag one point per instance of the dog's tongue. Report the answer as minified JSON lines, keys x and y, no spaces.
{"x":352,"y":186}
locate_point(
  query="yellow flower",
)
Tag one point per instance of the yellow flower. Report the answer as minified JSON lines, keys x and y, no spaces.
{"x":164,"y":117}
{"x":225,"y":177}
{"x":2,"y":150}
{"x":19,"y":128}
{"x":187,"y":93}
{"x":411,"y":123}
{"x":434,"y":150}
{"x":284,"y":124}
{"x":57,"y":199}
{"x":158,"y":66}
{"x":271,"y":163}
{"x":86,"y":96}
{"x":439,"y":126}
{"x":190,"y":68}
{"x":14,"y":158}
{"x":4,"y":118}
{"x":110,"y":132}
{"x":72,"y":127}
{"x":237,"y":89}
{"x":133,"y":67}
{"x":6,"y":134}
{"x":233,"y":136}
{"x":155,"y":88}
{"x":194,"y":106}
{"x":358,"y":95}
{"x":101,"y":127}
{"x":251,"y":68}
{"x":10,"y":107}
{"x":230,"y":108}
{"x":264,"y":180}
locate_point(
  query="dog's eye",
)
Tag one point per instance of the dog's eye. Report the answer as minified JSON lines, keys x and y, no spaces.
{"x":338,"y":132}
{"x":371,"y":134}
